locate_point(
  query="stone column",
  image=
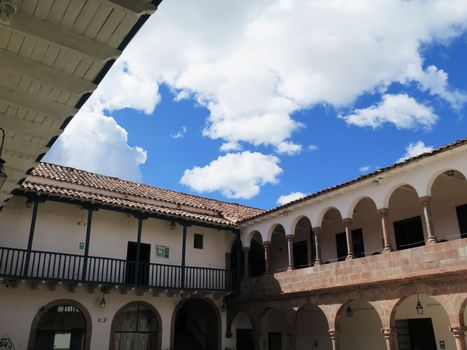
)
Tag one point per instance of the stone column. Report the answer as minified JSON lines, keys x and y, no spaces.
{"x":348,"y":233}
{"x":428,"y":219}
{"x":266,"y":245}
{"x":388,"y":334}
{"x":246,"y":256}
{"x":292,"y":340}
{"x":290,"y":250}
{"x":317,"y":236}
{"x":383,"y":212}
{"x":334,"y":335}
{"x":459,"y":337}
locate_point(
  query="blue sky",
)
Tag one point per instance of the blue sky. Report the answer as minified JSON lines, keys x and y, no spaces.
{"x":251,"y":103}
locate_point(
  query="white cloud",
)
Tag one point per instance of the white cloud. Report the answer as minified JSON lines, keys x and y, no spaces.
{"x":290,"y":197}
{"x":230,"y":146}
{"x":252,"y":65}
{"x":180,"y":133}
{"x":401,"y":110}
{"x":95,"y":142}
{"x":288,"y":148}
{"x":415,"y":149}
{"x":364,"y":169}
{"x":312,"y":148}
{"x":235,"y":175}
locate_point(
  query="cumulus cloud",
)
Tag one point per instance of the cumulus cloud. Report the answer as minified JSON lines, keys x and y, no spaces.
{"x":288,"y":148}
{"x":235,"y":175}
{"x":244,"y":67}
{"x":284,"y":199}
{"x":415,"y":149}
{"x":401,"y":110}
{"x":95,"y":142}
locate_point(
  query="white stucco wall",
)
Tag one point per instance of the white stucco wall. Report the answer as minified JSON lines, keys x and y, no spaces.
{"x":22,"y":304}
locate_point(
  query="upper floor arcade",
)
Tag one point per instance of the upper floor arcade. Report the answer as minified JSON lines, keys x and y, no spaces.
{"x":413,"y":204}
{"x":73,"y":227}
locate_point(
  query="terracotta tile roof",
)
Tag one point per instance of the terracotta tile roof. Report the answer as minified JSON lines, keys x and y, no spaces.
{"x":85,"y":186}
{"x":376,"y":173}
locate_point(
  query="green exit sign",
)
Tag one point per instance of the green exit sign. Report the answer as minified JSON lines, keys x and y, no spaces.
{"x":81,"y":245}
{"x":162,"y":251}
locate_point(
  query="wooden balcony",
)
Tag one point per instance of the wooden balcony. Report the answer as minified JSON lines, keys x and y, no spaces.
{"x":19,"y":264}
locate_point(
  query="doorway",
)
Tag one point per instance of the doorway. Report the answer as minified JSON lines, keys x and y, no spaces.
{"x":416,"y":334}
{"x":245,"y":339}
{"x":142,"y":263}
{"x":300,"y":254}
{"x":275,"y":341}
{"x":409,"y":233}
{"x":61,"y":327}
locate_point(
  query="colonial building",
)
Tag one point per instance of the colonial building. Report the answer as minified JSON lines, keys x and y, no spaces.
{"x":94,"y":262}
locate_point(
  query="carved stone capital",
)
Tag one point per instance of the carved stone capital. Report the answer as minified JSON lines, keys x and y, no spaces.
{"x":383,"y":211}
{"x":333,"y":334}
{"x":426,"y":200}
{"x":246,"y":249}
{"x":266,"y":244}
{"x":458,"y":332}
{"x":347,"y":222}
{"x":316,"y":230}
{"x":388,"y":332}
{"x":290,"y":237}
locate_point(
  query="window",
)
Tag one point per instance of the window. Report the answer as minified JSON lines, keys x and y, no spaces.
{"x":198,"y":243}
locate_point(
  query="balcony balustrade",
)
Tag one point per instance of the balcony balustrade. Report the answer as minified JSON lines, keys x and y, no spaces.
{"x":52,"y":266}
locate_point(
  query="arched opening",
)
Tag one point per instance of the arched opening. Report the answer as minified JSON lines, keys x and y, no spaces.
{"x":333,"y":238}
{"x":360,"y":327}
{"x":279,"y":255}
{"x":367,"y":232}
{"x":303,"y":244}
{"x":449,"y":205}
{"x":312,"y":329}
{"x":405,"y":213}
{"x":237,"y":262}
{"x":421,"y":323}
{"x":136,"y":326}
{"x":256,"y":263}
{"x":197,"y":325}
{"x":242,"y":331}
{"x":63,"y":324}
{"x":273,"y":330}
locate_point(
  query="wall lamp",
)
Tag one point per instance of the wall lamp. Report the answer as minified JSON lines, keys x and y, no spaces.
{"x":7,"y":9}
{"x":419,"y":307}
{"x":2,"y":162}
{"x":103,"y":302}
{"x":349,"y":311}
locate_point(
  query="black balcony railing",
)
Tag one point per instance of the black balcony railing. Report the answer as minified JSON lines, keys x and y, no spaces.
{"x":52,"y":266}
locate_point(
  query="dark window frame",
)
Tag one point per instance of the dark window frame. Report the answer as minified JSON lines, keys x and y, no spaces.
{"x":198,"y":241}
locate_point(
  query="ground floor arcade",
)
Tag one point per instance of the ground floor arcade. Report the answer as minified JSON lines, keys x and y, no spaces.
{"x":54,"y":317}
{"x":427,"y":315}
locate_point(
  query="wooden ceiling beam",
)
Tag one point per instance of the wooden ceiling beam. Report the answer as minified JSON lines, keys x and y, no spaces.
{"x":11,"y":123}
{"x":33,"y":102}
{"x":56,"y":34}
{"x":134,"y":6}
{"x":23,"y":66}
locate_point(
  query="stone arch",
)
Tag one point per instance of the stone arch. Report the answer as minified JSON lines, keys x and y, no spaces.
{"x":405,"y":309}
{"x":113,"y":326}
{"x":311,"y":326}
{"x":45,"y":308}
{"x":231,"y":319}
{"x":332,"y":232}
{"x":367,"y":231}
{"x":295,"y":222}
{"x":355,"y":202}
{"x":272,"y":229}
{"x":278,"y":250}
{"x":303,"y":243}
{"x":436,"y":175}
{"x":390,"y":192}
{"x":208,"y":302}
{"x":355,"y":320}
{"x":248,"y":237}
{"x":273,"y":318}
{"x":323,"y":213}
